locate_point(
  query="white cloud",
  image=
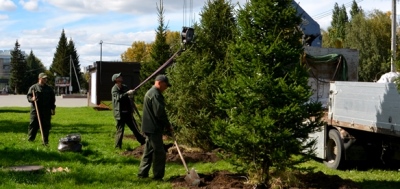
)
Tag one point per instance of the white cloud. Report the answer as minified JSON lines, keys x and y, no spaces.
{"x":124,"y":6}
{"x":7,"y":5}
{"x":3,"y":17}
{"x":30,"y":5}
{"x":63,"y":20}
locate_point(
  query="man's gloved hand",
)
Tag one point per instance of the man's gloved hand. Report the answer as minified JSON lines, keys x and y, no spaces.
{"x":130,"y":92}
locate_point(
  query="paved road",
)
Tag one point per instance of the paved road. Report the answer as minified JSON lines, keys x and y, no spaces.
{"x":21,"y":101}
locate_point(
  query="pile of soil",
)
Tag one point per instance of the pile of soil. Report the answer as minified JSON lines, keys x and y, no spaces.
{"x":227,"y":180}
{"x":102,"y":107}
{"x":191,"y":156}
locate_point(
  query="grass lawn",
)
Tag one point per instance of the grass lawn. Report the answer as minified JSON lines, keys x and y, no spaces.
{"x":102,"y":166}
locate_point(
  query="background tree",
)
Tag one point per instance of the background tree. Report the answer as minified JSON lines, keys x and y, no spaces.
{"x":266,"y":97}
{"x":160,"y":53}
{"x":197,"y":75}
{"x":76,"y":67}
{"x":337,"y":30}
{"x":371,"y":35}
{"x":61,"y":60}
{"x":85,"y":81}
{"x":18,"y":70}
{"x":326,"y":40}
{"x":63,"y":57}
{"x":34,"y":68}
{"x":138,"y":52}
{"x":355,"y":9}
{"x":174,"y":40}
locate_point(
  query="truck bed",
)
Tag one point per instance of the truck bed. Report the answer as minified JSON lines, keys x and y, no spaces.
{"x":367,"y":106}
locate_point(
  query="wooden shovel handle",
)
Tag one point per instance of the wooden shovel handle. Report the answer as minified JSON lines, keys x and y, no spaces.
{"x":180,"y":154}
{"x":38,"y":115}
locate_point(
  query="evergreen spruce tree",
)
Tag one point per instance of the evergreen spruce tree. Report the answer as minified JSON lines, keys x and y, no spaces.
{"x":18,"y":70}
{"x":197,"y":75}
{"x":76,"y":68}
{"x":160,"y":53}
{"x":34,"y":68}
{"x":267,"y":96}
{"x":61,"y":60}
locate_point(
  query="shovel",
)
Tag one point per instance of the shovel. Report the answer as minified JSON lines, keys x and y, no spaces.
{"x":38,"y":116}
{"x":192,"y":177}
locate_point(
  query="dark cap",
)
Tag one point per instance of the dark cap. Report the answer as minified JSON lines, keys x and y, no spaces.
{"x":163,"y":78}
{"x":42,"y":75}
{"x":115,"y":76}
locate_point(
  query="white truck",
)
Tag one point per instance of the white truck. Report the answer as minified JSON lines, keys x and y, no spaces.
{"x":363,"y":123}
{"x":362,"y":118}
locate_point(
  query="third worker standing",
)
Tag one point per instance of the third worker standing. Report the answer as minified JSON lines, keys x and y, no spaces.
{"x":123,"y":109}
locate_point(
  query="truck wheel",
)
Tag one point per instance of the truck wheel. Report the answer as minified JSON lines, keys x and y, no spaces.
{"x":334,"y":150}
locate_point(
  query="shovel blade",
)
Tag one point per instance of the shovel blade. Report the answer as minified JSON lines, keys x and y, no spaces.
{"x":192,"y":178}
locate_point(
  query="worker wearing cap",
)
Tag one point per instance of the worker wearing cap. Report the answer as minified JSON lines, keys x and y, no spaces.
{"x":45,"y":100}
{"x":122,"y":107}
{"x":154,"y":122}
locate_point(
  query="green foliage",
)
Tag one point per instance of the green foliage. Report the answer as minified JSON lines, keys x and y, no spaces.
{"x":160,"y":53}
{"x":355,"y":9}
{"x":174,"y":40}
{"x":337,"y":33}
{"x":138,"y":52}
{"x":267,"y":96}
{"x":60,"y":64}
{"x":371,"y":36}
{"x":18,"y":70}
{"x":198,"y":73}
{"x":63,"y":57}
{"x":35,"y":67}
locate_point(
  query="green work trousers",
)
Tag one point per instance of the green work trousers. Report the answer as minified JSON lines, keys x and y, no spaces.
{"x":34,"y":127}
{"x":119,"y":135}
{"x":154,"y":152}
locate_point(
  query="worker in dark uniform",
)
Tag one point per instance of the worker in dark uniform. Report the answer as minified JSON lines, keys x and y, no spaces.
{"x":122,"y":107}
{"x":45,"y":100}
{"x":154,"y":122}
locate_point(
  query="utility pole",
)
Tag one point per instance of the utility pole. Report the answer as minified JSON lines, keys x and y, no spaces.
{"x":101,"y":49}
{"x":70,"y":74}
{"x":393,"y":46}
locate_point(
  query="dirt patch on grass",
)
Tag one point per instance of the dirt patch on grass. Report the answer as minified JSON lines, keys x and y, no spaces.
{"x":189,"y":155}
{"x":227,"y":180}
{"x":192,"y":155}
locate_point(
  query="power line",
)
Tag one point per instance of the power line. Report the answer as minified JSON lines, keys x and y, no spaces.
{"x":329,"y":12}
{"x":116,"y":44}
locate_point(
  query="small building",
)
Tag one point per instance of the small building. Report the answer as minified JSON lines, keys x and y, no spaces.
{"x":5,"y":70}
{"x":100,"y":83}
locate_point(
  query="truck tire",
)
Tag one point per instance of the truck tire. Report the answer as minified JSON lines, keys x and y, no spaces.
{"x":334,"y":150}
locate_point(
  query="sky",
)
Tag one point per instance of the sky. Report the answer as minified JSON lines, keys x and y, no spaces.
{"x":37,"y":24}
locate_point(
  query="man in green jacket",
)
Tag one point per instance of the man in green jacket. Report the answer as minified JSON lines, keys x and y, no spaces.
{"x":122,"y":107}
{"x":45,"y":99}
{"x":154,"y":122}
